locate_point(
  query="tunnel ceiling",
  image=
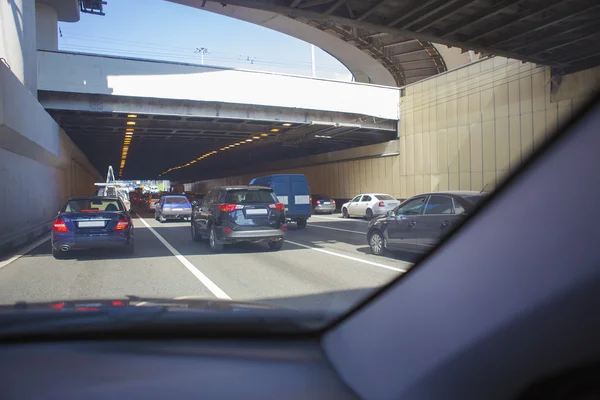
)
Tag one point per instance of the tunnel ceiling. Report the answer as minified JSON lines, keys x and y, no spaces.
{"x":559,"y":33}
{"x":161,"y":142}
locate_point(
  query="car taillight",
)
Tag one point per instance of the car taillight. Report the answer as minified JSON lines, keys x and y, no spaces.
{"x":58,"y":306}
{"x":333,"y":201}
{"x":231,"y":207}
{"x":381,"y":204}
{"x":278,"y":206}
{"x":284,"y":227}
{"x":122,"y":224}
{"x":118,"y":303}
{"x":59,"y":226}
{"x":318,"y":202}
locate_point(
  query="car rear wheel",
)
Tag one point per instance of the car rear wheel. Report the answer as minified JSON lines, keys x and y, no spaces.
{"x":344,"y":212}
{"x":369,"y":214}
{"x":376,"y":242}
{"x":212,"y":241}
{"x":196,"y":237}
{"x":277,"y":245}
{"x":301,"y":223}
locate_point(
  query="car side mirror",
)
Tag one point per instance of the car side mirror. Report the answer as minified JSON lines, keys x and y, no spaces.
{"x":391,"y":213}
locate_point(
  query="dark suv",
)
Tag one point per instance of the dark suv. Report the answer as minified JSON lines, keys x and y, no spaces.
{"x":239,"y":214}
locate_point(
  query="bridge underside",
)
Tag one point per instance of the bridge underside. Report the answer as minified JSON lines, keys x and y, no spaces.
{"x":557,"y":33}
{"x":166,"y":139}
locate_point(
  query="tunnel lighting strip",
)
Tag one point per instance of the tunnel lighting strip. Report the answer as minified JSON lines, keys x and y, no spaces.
{"x":127,"y":142}
{"x":253,"y":138}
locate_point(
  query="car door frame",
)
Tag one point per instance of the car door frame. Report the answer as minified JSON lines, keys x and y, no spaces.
{"x":161,"y":204}
{"x":354,"y":202}
{"x":400,"y":231}
{"x":432,"y":226}
{"x":205,"y":211}
{"x":363,"y":205}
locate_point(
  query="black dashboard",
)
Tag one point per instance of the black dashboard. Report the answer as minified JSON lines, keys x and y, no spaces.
{"x":177,"y":369}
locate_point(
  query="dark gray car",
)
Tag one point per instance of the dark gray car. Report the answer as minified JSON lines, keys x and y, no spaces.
{"x":420,"y":222}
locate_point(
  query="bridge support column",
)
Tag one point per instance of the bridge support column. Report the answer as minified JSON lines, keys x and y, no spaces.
{"x":17,"y":47}
{"x":46,"y":24}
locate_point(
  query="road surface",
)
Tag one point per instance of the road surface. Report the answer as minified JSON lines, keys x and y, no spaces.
{"x":327,"y":265}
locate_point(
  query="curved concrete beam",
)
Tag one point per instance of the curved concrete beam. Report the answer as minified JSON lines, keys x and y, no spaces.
{"x":363,"y":67}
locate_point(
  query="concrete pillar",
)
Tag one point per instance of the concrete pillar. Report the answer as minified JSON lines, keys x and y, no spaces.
{"x":46,"y":25}
{"x":17,"y":40}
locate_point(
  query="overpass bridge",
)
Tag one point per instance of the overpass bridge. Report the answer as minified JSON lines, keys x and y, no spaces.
{"x":176,"y":113}
{"x":399,"y":42}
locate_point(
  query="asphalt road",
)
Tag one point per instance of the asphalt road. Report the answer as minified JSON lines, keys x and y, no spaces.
{"x":327,"y":265}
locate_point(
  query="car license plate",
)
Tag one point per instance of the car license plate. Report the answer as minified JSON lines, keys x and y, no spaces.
{"x":326,"y":202}
{"x":91,"y":224}
{"x":256,"y":212}
{"x":287,"y":209}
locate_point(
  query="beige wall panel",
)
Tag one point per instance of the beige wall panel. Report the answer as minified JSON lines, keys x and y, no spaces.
{"x":453,"y":150}
{"x":464,"y":149}
{"x":476,"y":148}
{"x":443,"y":151}
{"x":410,"y":155}
{"x":525,"y":93}
{"x":418,"y":143}
{"x":474,"y":107}
{"x":526,"y":135}
{"x":489,"y":142}
{"x":502,"y":144}
{"x":514,"y":141}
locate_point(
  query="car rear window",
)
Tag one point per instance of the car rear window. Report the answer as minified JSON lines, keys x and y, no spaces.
{"x":92,"y":205}
{"x":382,"y":197}
{"x":321,"y":197}
{"x":248,"y":196}
{"x":176,"y":200}
{"x":474,"y":199}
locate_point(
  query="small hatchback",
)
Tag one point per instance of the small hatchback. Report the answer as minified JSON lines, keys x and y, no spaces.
{"x":173,"y":207}
{"x":230,"y":215}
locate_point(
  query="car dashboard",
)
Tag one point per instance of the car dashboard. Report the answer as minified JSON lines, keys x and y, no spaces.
{"x":178,"y":369}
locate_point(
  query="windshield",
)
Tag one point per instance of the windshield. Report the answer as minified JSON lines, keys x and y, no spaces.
{"x":371,"y":131}
{"x":92,"y":205}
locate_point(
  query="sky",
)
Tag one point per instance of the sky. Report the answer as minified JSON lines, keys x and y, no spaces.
{"x":161,"y":30}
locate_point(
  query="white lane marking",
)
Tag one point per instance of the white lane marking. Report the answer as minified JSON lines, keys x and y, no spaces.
{"x":340,"y":219}
{"x":348,"y":257}
{"x":210,"y":285}
{"x":24,"y":251}
{"x":336,"y":229}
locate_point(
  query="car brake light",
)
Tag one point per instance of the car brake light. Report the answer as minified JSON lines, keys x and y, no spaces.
{"x":381,"y":203}
{"x":58,"y":306}
{"x":122,"y":224}
{"x":231,"y":207}
{"x":318,"y":202}
{"x":59,"y":226}
{"x":227,"y":230}
{"x":118,"y":303}
{"x":284,"y":227}
{"x":278,"y":206}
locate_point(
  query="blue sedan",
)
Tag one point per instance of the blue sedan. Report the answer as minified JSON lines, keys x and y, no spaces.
{"x":92,"y":222}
